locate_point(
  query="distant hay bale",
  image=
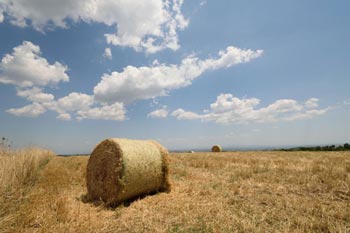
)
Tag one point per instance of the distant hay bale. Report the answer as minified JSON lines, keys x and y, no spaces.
{"x":121,"y":169}
{"x":191,"y":151}
{"x":216,"y":148}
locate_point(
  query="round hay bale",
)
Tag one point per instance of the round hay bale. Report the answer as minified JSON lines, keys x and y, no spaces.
{"x":121,"y":169}
{"x":216,"y":148}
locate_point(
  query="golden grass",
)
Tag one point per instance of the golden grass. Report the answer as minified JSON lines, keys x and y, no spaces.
{"x":226,"y":192}
{"x":19,"y":170}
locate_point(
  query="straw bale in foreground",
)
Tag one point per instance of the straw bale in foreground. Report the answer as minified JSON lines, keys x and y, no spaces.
{"x":121,"y":169}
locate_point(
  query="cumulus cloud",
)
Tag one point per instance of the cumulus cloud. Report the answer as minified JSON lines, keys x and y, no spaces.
{"x":35,"y":94}
{"x":312,"y":103}
{"x":1,"y":16}
{"x":143,"y":25}
{"x":74,"y":101}
{"x":64,"y":117}
{"x":71,"y":103}
{"x":81,"y":105}
{"x":32,"y":110}
{"x":159,"y":113}
{"x":307,"y":114}
{"x":137,"y":83}
{"x":30,"y":74}
{"x":26,"y":68}
{"x":159,"y":21}
{"x":228,"y":109}
{"x":226,"y":102}
{"x":181,"y":114}
{"x":108,"y":53}
{"x":114,"y":111}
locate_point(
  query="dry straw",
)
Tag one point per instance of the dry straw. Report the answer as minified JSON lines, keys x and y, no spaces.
{"x":121,"y":169}
{"x":216,"y":148}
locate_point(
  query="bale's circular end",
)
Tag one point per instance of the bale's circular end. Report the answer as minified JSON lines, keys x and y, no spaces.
{"x":104,"y":171}
{"x":121,"y":169}
{"x":216,"y":148}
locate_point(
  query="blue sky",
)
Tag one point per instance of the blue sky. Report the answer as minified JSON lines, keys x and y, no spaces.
{"x":186,"y":73}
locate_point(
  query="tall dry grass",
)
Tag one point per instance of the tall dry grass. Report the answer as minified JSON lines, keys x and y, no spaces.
{"x":19,"y":171}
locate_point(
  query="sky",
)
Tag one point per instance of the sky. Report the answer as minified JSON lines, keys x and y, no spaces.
{"x":189,"y":74}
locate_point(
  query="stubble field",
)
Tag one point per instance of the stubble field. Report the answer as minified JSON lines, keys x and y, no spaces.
{"x":211,"y":192}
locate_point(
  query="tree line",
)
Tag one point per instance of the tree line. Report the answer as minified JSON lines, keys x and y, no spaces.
{"x":344,"y":147}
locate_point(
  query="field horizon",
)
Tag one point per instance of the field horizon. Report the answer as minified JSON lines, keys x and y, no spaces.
{"x":229,"y":149}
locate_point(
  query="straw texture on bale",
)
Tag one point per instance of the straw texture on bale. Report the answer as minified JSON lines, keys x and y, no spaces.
{"x":121,"y":169}
{"x":216,"y":148}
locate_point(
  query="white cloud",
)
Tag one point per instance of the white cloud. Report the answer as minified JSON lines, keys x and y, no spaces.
{"x":226,"y":102}
{"x":32,"y":110}
{"x":136,"y":83}
{"x":115,"y":112}
{"x":1,"y":16}
{"x":30,"y":73}
{"x":64,"y":117}
{"x":75,"y":101}
{"x":312,"y":103}
{"x":307,"y":114}
{"x":159,"y":20}
{"x":26,"y":68}
{"x":108,"y":53}
{"x":143,"y":25}
{"x":159,"y":113}
{"x":70,"y":103}
{"x":82,"y":105}
{"x":181,"y":114}
{"x":35,"y":94}
{"x":228,"y":109}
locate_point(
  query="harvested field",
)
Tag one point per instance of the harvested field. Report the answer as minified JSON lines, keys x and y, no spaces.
{"x":226,"y":192}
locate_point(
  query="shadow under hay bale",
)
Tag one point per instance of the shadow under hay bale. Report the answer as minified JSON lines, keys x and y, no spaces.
{"x":120,"y":169}
{"x":216,"y":148}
